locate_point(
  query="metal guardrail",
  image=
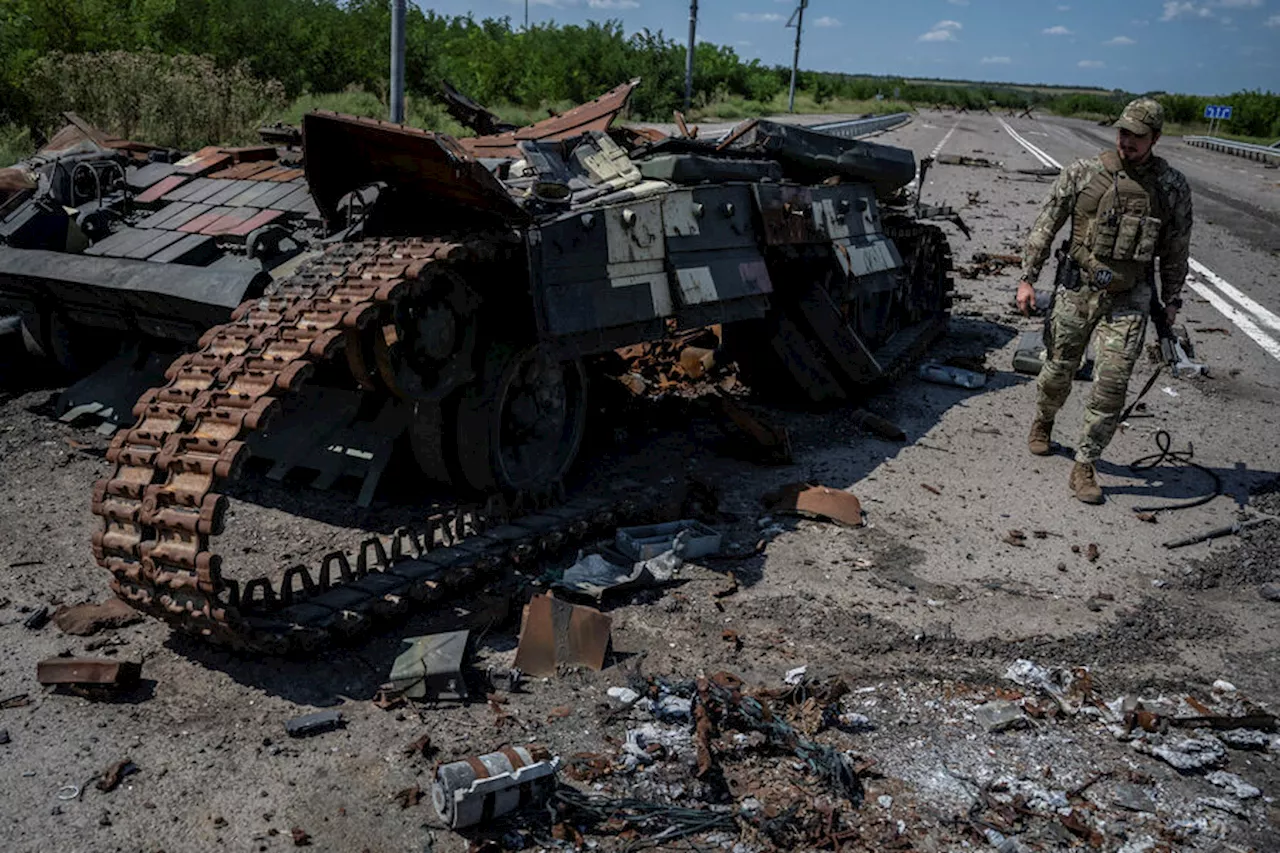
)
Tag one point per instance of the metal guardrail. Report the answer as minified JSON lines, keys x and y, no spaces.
{"x":862,"y":126}
{"x":1240,"y":149}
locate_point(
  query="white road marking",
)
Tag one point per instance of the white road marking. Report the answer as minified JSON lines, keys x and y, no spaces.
{"x":1045,"y":159}
{"x":1243,"y":320}
{"x":934,"y":153}
{"x":1236,"y":316}
{"x":1259,"y":313}
{"x":938,"y":148}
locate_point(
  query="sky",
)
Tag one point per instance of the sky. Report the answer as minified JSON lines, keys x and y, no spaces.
{"x":1205,"y":48}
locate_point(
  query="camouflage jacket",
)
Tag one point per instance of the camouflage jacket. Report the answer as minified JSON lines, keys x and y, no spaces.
{"x":1172,"y":249}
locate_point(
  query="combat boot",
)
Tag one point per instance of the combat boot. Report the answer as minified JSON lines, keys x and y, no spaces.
{"x":1038,"y":442}
{"x":1084,"y":482}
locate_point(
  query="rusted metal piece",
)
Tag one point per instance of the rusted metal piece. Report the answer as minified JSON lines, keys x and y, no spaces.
{"x":111,"y":778}
{"x":345,"y":153}
{"x":84,"y":620}
{"x":822,"y":502}
{"x":882,"y":427}
{"x":91,"y":671}
{"x":410,"y":796}
{"x":771,"y":441}
{"x":555,"y":633}
{"x":19,"y":700}
{"x":593,"y":115}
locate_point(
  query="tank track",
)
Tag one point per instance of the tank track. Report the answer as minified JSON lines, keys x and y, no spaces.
{"x":161,"y":509}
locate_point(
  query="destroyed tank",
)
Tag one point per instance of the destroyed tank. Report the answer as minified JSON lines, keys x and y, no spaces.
{"x":386,"y":281}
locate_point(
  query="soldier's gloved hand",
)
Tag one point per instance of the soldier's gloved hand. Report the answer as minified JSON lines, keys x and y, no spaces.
{"x":1026,"y":298}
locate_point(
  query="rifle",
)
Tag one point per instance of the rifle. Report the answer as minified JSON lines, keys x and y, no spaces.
{"x":1172,"y":355}
{"x":1171,"y":351}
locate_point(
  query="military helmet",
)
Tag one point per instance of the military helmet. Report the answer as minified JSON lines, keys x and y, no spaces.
{"x":1142,"y":116}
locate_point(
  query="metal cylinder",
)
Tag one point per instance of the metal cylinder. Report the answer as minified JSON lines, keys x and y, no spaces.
{"x":688,"y":57}
{"x":479,"y":788}
{"x":397,"y":61}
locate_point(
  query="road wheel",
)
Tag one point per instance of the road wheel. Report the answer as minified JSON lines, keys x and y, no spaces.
{"x":520,"y":424}
{"x":75,"y":349}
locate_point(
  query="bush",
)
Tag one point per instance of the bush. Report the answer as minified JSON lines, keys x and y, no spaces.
{"x":15,"y":144}
{"x":178,"y":101}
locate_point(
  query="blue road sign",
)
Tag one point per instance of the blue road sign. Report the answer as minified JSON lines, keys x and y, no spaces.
{"x":1218,"y":112}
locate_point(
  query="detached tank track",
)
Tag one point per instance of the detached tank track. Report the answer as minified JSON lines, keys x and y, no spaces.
{"x":161,"y":512}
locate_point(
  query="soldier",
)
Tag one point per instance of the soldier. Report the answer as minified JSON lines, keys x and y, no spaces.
{"x":1127,"y":208}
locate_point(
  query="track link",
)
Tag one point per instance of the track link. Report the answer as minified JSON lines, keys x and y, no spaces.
{"x":162,"y":511}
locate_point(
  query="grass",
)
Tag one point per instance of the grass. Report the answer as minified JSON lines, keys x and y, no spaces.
{"x":15,"y":144}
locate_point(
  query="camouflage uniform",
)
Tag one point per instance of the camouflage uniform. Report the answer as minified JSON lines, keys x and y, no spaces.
{"x":1118,"y":315}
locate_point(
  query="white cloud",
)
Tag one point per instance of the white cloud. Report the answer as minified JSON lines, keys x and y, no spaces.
{"x":995,"y":60}
{"x":1091,"y":63}
{"x":758,"y":17}
{"x":1056,"y":31}
{"x":827,"y":21}
{"x":1273,"y":21}
{"x":613,"y":4}
{"x":942,"y":31}
{"x":958,"y":2}
{"x":1119,"y":41}
{"x":1174,"y":9}
{"x":1239,"y":4}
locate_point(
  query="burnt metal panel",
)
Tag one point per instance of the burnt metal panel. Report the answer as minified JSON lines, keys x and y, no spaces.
{"x":228,"y":192}
{"x":811,"y":156}
{"x":168,"y":211}
{"x":120,"y":242}
{"x":344,"y":153}
{"x":206,"y":191}
{"x":192,"y":249}
{"x":160,"y":188}
{"x":159,"y":240}
{"x":274,"y":193}
{"x":143,"y":177}
{"x":249,"y":196}
{"x":181,"y":218}
{"x":167,"y":300}
{"x":200,"y":185}
{"x":593,"y":115}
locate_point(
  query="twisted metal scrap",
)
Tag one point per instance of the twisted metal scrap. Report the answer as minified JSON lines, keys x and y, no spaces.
{"x":718,"y":702}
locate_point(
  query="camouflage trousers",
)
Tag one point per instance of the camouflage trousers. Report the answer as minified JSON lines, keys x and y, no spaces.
{"x":1120,"y":320}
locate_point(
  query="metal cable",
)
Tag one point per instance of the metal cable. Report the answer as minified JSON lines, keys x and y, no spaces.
{"x":1184,"y":458}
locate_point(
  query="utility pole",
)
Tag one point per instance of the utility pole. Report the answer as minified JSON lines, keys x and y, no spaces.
{"x":397,"y":61}
{"x":798,"y":17}
{"x":688,"y":56}
{"x":526,"y":16}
